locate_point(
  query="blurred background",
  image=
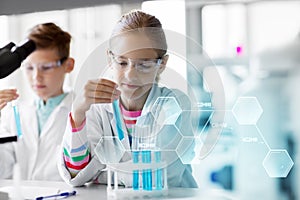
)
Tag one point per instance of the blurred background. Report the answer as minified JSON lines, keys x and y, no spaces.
{"x":255,"y":47}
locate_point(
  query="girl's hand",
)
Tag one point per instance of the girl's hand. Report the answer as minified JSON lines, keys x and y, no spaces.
{"x":6,"y":96}
{"x":95,"y":91}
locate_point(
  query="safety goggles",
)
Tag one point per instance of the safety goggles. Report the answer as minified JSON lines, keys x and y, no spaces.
{"x":43,"y":67}
{"x":141,"y":65}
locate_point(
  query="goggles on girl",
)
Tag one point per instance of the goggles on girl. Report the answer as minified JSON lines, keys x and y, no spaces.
{"x":141,"y":65}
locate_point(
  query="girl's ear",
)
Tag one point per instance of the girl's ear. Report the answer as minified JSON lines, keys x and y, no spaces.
{"x":108,"y":57}
{"x":69,"y":65}
{"x":165,"y":59}
{"x":163,"y":63}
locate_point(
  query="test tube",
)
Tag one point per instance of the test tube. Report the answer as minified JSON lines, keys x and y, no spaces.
{"x":146,"y":174}
{"x":145,"y":144}
{"x":17,"y":118}
{"x":149,"y":171}
{"x":135,"y":178}
{"x":135,"y":158}
{"x":118,"y":117}
{"x":158,"y":172}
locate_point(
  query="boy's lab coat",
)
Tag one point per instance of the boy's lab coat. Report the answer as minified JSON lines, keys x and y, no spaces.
{"x":36,"y":153}
{"x":100,"y":124}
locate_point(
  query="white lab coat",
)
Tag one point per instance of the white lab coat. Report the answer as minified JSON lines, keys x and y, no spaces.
{"x":100,"y":123}
{"x":36,"y":153}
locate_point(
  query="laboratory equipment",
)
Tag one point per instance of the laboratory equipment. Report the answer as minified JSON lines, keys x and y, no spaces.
{"x":11,"y":58}
{"x":157,"y":190}
{"x":149,"y":172}
{"x":17,"y":118}
{"x":8,"y":139}
{"x":135,"y":177}
{"x":117,"y":114}
{"x":158,"y":172}
{"x":18,"y":125}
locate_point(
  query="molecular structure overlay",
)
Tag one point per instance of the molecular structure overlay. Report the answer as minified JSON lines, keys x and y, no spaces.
{"x":167,"y":118}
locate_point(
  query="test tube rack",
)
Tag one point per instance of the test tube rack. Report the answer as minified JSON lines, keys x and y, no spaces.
{"x":116,"y":191}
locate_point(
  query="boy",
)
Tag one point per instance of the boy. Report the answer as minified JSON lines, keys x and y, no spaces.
{"x":42,"y":121}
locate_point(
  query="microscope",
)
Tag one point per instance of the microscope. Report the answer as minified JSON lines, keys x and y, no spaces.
{"x":11,"y":57}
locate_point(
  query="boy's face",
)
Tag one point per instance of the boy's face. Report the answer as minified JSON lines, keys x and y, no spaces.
{"x":45,"y":76}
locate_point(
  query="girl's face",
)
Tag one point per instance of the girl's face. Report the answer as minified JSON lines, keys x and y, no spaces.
{"x":46,"y":71}
{"x":135,"y":69}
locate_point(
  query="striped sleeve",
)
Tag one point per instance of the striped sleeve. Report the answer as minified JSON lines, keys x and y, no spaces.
{"x":76,"y":152}
{"x":130,"y":118}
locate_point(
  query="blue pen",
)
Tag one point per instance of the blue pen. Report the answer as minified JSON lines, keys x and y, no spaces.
{"x":64,"y":195}
{"x":118,"y":117}
{"x":17,"y":118}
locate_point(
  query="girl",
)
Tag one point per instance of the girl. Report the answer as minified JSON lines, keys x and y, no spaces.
{"x":137,"y":57}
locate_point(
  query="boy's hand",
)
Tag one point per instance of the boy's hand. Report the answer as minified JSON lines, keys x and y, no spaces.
{"x":6,"y":96}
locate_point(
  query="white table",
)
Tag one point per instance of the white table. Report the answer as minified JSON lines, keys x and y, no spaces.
{"x":95,"y":192}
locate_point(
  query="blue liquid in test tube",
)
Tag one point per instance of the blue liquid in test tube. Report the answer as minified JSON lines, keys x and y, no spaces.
{"x":147,"y":174}
{"x":17,"y":118}
{"x":135,"y":184}
{"x":118,"y":117}
{"x":158,"y":172}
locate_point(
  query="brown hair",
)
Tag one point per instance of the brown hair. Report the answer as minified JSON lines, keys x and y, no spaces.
{"x":142,"y":22}
{"x":50,"y":36}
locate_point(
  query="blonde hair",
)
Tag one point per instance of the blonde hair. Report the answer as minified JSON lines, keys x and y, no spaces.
{"x":145,"y":23}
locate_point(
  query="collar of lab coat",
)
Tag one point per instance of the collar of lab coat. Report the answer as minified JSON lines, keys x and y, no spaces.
{"x":65,"y":103}
{"x":64,"y":106}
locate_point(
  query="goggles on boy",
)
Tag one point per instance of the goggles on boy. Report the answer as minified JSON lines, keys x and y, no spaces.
{"x":141,"y":65}
{"x":43,"y":67}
